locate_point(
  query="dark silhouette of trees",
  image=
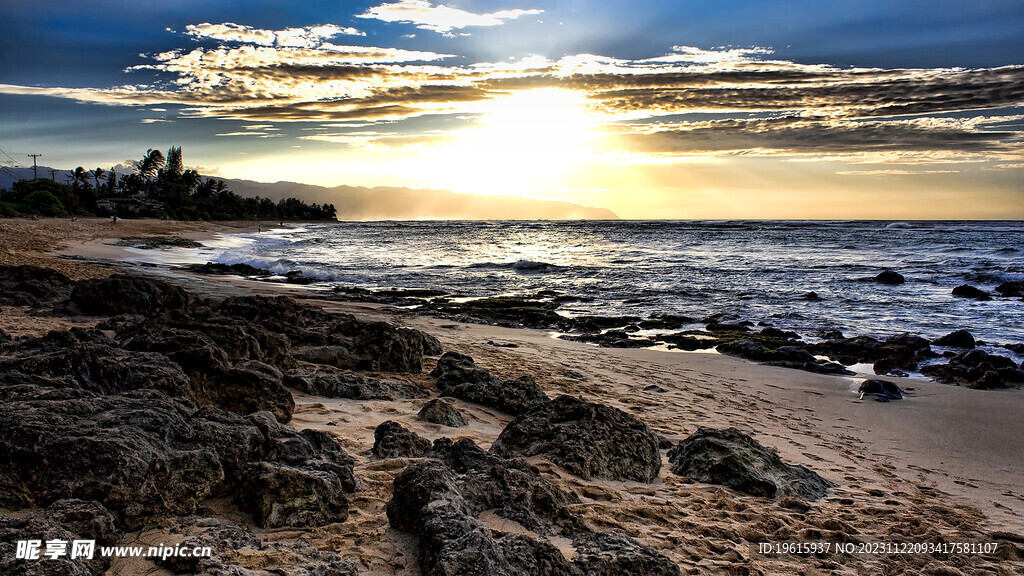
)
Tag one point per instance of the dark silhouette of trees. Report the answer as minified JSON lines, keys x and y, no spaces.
{"x":160,"y":187}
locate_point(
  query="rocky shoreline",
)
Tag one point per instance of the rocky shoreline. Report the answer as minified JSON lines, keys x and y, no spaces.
{"x":164,"y":411}
{"x":170,"y":400}
{"x":829,"y":353}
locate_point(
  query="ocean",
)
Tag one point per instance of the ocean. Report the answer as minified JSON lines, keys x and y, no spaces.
{"x":753,"y":270}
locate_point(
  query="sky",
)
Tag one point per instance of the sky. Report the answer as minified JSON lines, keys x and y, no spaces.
{"x":653,"y":109}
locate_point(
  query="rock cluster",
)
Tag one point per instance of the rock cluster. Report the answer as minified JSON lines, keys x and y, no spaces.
{"x":440,"y":500}
{"x":459,"y":377}
{"x":977,"y":369}
{"x":734,"y":459}
{"x":173,"y":399}
{"x":590,"y":440}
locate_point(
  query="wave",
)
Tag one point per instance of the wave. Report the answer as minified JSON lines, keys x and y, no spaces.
{"x":524,"y":266}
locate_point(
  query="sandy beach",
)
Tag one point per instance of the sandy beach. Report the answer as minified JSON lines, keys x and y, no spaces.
{"x":943,"y":464}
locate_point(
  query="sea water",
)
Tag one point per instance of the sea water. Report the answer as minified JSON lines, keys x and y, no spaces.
{"x":753,"y":270}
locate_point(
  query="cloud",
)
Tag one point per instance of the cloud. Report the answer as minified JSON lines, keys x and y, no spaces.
{"x":308,"y":37}
{"x":894,"y":172}
{"x":689,"y":101}
{"x":439,"y":18}
{"x":863,"y":140}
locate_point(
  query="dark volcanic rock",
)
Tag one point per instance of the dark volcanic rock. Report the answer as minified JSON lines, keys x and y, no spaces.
{"x":233,"y":269}
{"x":590,"y":440}
{"x":133,"y":453}
{"x":91,"y":361}
{"x":157,"y":242}
{"x":614,"y":555}
{"x":968,"y":291}
{"x":458,"y":377}
{"x":332,"y":383}
{"x":957,"y":339}
{"x":511,"y":311}
{"x":276,"y":495}
{"x":787,"y":356}
{"x":32,"y":286}
{"x":687,"y":342}
{"x":611,"y":339}
{"x":142,"y":454}
{"x":439,"y":501}
{"x":731,"y":458}
{"x":977,"y":369}
{"x":882,"y":390}
{"x":251,"y":387}
{"x":123,"y":294}
{"x":440,"y":411}
{"x":889,"y":277}
{"x":356,"y":344}
{"x":392,"y":440}
{"x":665,"y":322}
{"x":903,"y":351}
{"x":66,"y":520}
{"x":1012,"y":288}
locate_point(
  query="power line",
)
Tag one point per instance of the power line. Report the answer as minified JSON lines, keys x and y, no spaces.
{"x":35,"y":171}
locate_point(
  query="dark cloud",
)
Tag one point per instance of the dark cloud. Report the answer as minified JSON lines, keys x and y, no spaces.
{"x":823,"y":136}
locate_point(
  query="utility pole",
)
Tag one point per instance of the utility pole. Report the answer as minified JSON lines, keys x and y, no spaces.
{"x":35,"y":172}
{"x":53,"y":174}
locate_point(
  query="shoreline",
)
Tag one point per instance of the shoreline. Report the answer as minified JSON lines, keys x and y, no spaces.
{"x":936,"y":455}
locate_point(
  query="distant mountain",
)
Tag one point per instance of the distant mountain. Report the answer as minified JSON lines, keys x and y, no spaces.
{"x":387,"y":203}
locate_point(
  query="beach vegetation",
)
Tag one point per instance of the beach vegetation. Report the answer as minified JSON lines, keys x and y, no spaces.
{"x":159,"y":187}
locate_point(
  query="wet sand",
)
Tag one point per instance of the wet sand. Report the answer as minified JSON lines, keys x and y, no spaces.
{"x":946,"y":463}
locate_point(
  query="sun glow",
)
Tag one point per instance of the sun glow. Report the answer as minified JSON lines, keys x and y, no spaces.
{"x":526,"y":144}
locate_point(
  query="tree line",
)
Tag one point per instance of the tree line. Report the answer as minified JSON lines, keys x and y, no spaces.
{"x":159,"y":186}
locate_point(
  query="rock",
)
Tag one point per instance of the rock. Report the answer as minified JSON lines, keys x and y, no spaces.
{"x":882,"y":390}
{"x":1011,"y":288}
{"x":590,"y":440}
{"x":611,"y":339}
{"x":66,"y":520}
{"x":157,"y":242}
{"x":889,"y":277}
{"x":251,"y":387}
{"x":655,"y":388}
{"x":957,"y":339}
{"x":440,"y":411}
{"x":276,"y":495}
{"x":968,"y":291}
{"x":392,"y":440}
{"x":439,"y":500}
{"x":902,"y":351}
{"x":4,"y":337}
{"x":811,"y":297}
{"x":133,"y":452}
{"x":352,"y":343}
{"x":665,"y":322}
{"x":614,"y":555}
{"x":731,"y":458}
{"x":458,"y":377}
{"x":510,"y":311}
{"x":32,"y":286}
{"x":687,"y":342}
{"x":123,"y":294}
{"x":89,"y":360}
{"x":977,"y":369}
{"x":219,"y":269}
{"x":330,"y":383}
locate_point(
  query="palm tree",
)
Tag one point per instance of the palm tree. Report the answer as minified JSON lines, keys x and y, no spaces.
{"x":150,"y":163}
{"x":96,"y":175}
{"x":79,"y":178}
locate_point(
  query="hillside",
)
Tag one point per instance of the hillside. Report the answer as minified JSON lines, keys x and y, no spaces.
{"x":390,"y":203}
